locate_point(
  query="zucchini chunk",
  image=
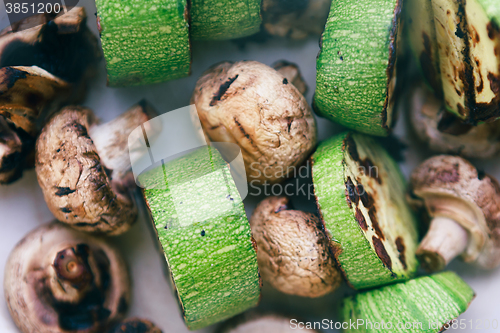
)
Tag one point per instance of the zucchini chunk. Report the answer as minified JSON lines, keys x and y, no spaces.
{"x":360,"y":194}
{"x":224,"y":19}
{"x":202,"y":228}
{"x":144,"y":42}
{"x":425,"y":305}
{"x":356,"y":66}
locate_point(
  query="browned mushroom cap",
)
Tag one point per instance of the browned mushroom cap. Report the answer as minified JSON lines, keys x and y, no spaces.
{"x":254,"y":106}
{"x":254,"y":323}
{"x":61,"y":45}
{"x":292,"y":73}
{"x":135,"y":325}
{"x":445,"y":133}
{"x":27,"y":94}
{"x":84,"y":168}
{"x":60,"y":280}
{"x":465,"y":207}
{"x":293,"y":251}
{"x":295,"y":19}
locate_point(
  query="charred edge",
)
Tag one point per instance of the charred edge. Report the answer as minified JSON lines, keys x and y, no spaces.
{"x":361,"y":220}
{"x":350,"y":145}
{"x":382,"y":252}
{"x":396,"y":21}
{"x":478,"y":112}
{"x":366,"y":199}
{"x":372,"y":214}
{"x":351,"y":195}
{"x":11,"y":76}
{"x":426,"y":60}
{"x":122,"y":305}
{"x":400,"y":246}
{"x":222,"y":90}
{"x":62,"y":191}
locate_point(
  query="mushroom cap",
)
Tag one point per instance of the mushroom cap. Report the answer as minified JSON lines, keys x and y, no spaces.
{"x":27,"y":274}
{"x":452,"y":187}
{"x":75,"y":182}
{"x":293,"y":251}
{"x":263,"y":324}
{"x":445,"y":133}
{"x":135,"y":325}
{"x":254,"y":106}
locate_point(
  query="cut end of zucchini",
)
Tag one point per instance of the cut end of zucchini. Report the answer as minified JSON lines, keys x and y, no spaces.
{"x":144,"y":42}
{"x":226,"y":19}
{"x":460,"y":43}
{"x":356,"y":67}
{"x":427,"y":304}
{"x":361,"y":197}
{"x":200,"y":222}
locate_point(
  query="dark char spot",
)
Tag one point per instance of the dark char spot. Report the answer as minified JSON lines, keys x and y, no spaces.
{"x":66,"y":210}
{"x":351,"y":195}
{"x":400,"y":245}
{"x":372,"y":213}
{"x":361,"y":220}
{"x":382,"y":252}
{"x":62,"y":191}
{"x":222,"y":90}
{"x":285,"y":81}
{"x":351,"y":147}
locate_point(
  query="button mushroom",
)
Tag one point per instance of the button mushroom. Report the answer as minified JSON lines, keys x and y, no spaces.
{"x":83,"y":168}
{"x":63,"y":54}
{"x":26,"y":95}
{"x":443,"y":132}
{"x":464,"y":205}
{"x":60,"y":280}
{"x":293,"y":251}
{"x":296,"y":19}
{"x":251,"y":104}
{"x":135,"y":325}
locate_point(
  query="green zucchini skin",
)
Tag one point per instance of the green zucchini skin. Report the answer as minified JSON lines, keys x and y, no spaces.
{"x":224,"y":19}
{"x":203,"y":230}
{"x":432,"y":301}
{"x":144,"y":42}
{"x":356,"y":66}
{"x":360,"y":194}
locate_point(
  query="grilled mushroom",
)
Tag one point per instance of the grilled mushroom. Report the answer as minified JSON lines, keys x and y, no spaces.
{"x":84,"y":168}
{"x":293,"y":250}
{"x":254,"y":106}
{"x":464,"y":205}
{"x":60,"y":280}
{"x":46,"y":62}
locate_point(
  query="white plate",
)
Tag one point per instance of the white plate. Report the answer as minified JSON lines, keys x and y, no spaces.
{"x":22,"y":207}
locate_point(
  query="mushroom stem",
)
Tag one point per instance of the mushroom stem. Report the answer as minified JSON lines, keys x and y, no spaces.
{"x":111,"y":138}
{"x":72,"y":275}
{"x":445,"y":240}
